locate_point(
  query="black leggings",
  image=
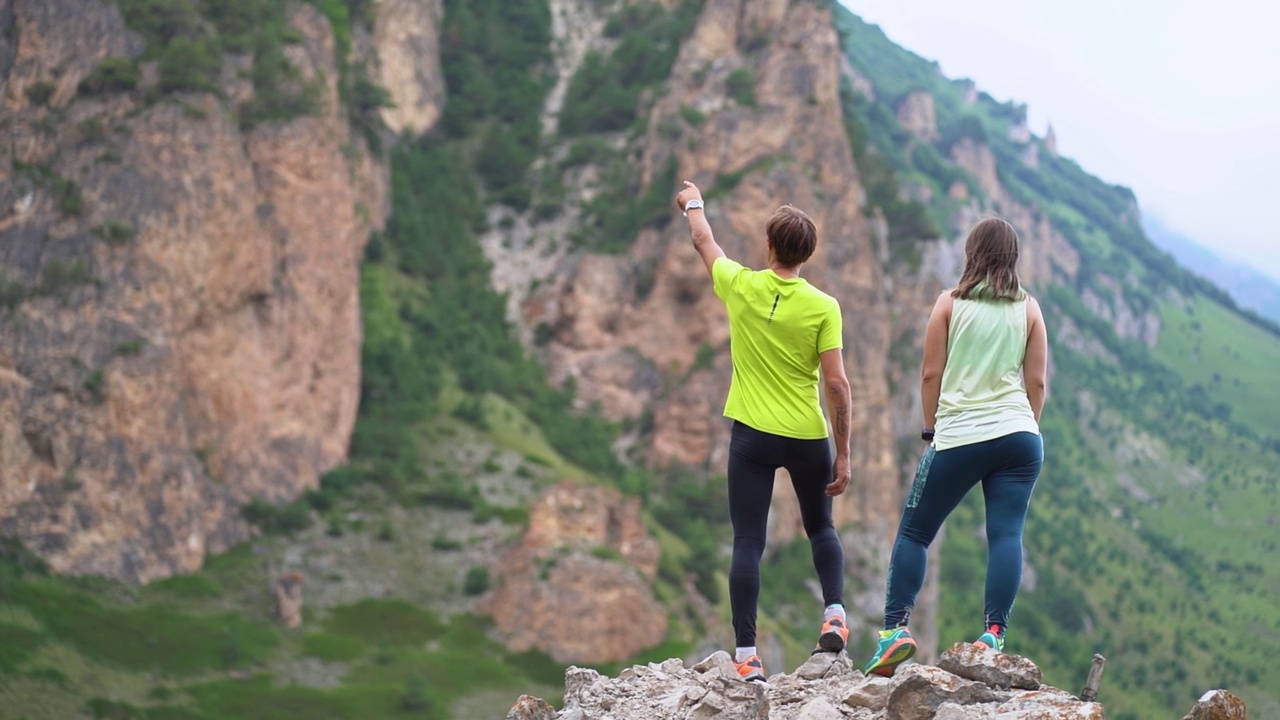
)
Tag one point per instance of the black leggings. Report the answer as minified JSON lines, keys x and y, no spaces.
{"x":754,"y":456}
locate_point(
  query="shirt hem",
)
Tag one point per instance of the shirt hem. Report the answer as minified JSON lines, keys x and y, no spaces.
{"x":775,"y":431}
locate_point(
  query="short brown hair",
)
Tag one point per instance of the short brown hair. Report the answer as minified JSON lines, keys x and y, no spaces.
{"x":792,"y":236}
{"x":990,"y":262}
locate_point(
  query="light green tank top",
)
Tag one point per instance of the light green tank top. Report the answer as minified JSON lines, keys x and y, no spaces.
{"x":983,"y":396}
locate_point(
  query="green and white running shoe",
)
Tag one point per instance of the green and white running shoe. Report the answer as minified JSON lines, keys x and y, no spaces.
{"x":896,"y":647}
{"x":993,"y":638}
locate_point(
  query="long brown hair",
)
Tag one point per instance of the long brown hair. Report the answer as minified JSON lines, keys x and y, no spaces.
{"x":990,"y":263}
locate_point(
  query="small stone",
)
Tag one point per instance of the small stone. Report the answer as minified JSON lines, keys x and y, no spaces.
{"x":1217,"y":705}
{"x":577,"y":679}
{"x":717,"y":662}
{"x":820,"y":665}
{"x":671,"y":665}
{"x":1048,"y":703}
{"x":871,"y":693}
{"x":528,"y":707}
{"x":952,"y":711}
{"x":991,"y":667}
{"x":819,"y":709}
{"x":921,"y":689}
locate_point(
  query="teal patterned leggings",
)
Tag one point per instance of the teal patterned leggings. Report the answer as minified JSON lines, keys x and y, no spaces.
{"x":1007,"y":467}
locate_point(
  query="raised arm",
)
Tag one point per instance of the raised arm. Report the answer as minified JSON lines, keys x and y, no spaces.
{"x":1035,"y":364}
{"x":699,"y":229}
{"x":840,"y":408}
{"x":935,"y":359}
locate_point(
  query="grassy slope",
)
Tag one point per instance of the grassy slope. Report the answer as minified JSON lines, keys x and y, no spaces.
{"x":1154,"y":521}
{"x":205,"y":646}
{"x":1232,"y":359}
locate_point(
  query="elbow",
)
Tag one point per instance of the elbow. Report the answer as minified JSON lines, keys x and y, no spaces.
{"x":1037,"y":385}
{"x":931,"y":377}
{"x":838,"y":388}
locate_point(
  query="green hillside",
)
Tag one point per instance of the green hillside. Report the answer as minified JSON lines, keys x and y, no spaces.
{"x":1151,"y":533}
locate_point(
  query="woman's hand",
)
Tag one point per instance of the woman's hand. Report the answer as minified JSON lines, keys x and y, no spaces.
{"x":690,"y":192}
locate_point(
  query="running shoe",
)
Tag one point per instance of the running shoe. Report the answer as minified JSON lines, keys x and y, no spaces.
{"x":751,"y":669}
{"x":992,"y":638}
{"x":896,"y":647}
{"x":834,"y":636}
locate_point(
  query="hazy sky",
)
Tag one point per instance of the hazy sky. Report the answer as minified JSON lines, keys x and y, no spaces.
{"x":1178,"y":100}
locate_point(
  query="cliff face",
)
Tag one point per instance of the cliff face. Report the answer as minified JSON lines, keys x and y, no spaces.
{"x":616,"y":341}
{"x":181,"y":331}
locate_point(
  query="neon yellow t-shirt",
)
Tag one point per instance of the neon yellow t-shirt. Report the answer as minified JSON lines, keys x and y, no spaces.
{"x":777,"y":329}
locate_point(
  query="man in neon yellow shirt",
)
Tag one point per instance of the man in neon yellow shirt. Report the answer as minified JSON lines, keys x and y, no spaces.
{"x":781,"y":330}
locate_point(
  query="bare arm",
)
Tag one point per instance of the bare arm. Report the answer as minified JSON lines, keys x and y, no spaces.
{"x":840,"y":407}
{"x":699,"y":229}
{"x":1035,"y":364}
{"x":935,"y":358}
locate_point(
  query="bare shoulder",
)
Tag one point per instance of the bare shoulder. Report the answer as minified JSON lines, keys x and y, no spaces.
{"x":944,"y":302}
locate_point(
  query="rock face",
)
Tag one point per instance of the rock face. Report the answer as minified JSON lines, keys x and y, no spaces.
{"x":826,"y":687}
{"x":1218,"y":705}
{"x":629,"y":328}
{"x":918,"y":116}
{"x":181,"y":330}
{"x":406,"y":34}
{"x":578,"y":584}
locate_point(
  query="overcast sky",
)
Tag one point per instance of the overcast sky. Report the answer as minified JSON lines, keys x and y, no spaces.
{"x":1178,"y":100}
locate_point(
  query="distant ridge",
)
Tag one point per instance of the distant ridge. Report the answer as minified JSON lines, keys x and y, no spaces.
{"x":1248,"y":287}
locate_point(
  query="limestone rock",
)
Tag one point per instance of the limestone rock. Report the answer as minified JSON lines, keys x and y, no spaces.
{"x":208,"y":357}
{"x":825,"y":687}
{"x":528,"y":707}
{"x":406,"y":38}
{"x":655,"y":302}
{"x":872,"y":693}
{"x":920,"y":689}
{"x":289,"y":599}
{"x":917,"y":115}
{"x":1218,"y":705}
{"x":986,"y":665}
{"x":581,"y":576}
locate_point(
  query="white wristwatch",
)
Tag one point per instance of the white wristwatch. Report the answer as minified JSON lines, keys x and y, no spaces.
{"x":694,"y":203}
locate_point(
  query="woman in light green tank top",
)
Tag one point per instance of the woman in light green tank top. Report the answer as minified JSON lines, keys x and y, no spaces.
{"x":982,"y":389}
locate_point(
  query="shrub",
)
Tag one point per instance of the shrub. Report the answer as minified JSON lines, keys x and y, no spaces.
{"x":91,"y":130}
{"x":115,"y":232}
{"x":477,"y":580}
{"x":93,"y":383}
{"x":741,"y":86}
{"x":59,"y":276}
{"x":67,"y":193}
{"x":277,"y":519}
{"x":116,"y":74}
{"x":41,"y":92}
{"x":131,"y":347}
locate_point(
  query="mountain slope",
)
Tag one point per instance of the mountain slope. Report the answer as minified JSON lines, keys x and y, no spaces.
{"x":1157,"y":415}
{"x":1250,"y":288}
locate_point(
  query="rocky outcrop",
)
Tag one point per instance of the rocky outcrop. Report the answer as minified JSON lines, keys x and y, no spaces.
{"x":918,"y":116}
{"x":825,"y":687}
{"x":181,"y":330}
{"x":828,"y":687}
{"x":629,"y":329}
{"x":406,"y":37}
{"x":795,"y":135}
{"x":579,"y":581}
{"x":1218,"y":705}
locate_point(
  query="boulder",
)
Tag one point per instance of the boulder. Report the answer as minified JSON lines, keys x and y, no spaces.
{"x":990,"y":667}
